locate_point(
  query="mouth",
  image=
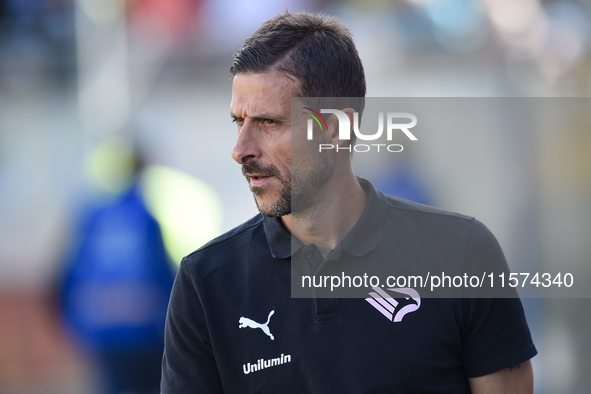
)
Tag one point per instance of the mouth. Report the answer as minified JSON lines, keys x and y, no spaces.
{"x":258,"y":175}
{"x":258,"y":180}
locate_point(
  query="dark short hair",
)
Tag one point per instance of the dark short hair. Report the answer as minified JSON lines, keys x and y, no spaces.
{"x":316,"y":48}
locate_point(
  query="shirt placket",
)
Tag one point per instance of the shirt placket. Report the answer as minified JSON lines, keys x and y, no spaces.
{"x":326,"y":309}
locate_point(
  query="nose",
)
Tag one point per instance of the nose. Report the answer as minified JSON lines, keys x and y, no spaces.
{"x":246,"y":147}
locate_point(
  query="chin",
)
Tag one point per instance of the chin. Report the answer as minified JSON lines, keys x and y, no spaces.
{"x":275,"y":208}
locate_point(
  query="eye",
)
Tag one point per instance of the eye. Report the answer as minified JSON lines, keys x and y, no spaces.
{"x":269,"y":121}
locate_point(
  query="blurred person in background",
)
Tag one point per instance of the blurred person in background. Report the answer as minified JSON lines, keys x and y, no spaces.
{"x":232,"y":325}
{"x":116,"y":284}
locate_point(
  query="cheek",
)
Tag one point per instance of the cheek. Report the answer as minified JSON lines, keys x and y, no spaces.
{"x":305,"y":154}
{"x":283,"y":154}
{"x":284,"y":165}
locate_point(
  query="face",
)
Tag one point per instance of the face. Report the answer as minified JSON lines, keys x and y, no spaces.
{"x":261,"y":109}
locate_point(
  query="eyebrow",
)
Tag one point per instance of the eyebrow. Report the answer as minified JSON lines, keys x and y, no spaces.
{"x":261,"y":116}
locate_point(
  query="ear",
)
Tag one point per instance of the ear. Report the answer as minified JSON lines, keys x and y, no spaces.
{"x":333,"y":128}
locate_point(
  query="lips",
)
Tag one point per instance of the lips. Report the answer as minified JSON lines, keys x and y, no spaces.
{"x":258,"y":180}
{"x":257,"y":174}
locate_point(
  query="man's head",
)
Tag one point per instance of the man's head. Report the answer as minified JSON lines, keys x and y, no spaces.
{"x":290,"y":55}
{"x":315,"y":48}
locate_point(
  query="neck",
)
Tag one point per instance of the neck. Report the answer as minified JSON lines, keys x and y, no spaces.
{"x":327,"y":222}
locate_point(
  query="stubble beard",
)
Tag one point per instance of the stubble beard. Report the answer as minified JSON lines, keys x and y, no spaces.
{"x":279,"y":207}
{"x":295,"y":197}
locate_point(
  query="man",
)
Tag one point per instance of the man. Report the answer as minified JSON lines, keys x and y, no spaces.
{"x":232,"y":325}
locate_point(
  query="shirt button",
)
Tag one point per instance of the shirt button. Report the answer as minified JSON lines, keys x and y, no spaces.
{"x":309,"y":255}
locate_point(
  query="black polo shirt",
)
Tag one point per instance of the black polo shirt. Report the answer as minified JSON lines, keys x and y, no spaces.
{"x":233,"y":326}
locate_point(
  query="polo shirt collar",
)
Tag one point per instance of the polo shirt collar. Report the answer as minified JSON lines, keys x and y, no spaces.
{"x":278,"y":237}
{"x":362,"y":238}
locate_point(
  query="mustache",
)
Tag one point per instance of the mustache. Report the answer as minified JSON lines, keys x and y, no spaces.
{"x":255,"y":168}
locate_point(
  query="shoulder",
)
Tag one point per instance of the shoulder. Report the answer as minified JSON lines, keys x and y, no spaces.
{"x":233,"y":235}
{"x":437,"y":230}
{"x":424,"y":219}
{"x":411,"y":207}
{"x":430,"y":216}
{"x":229,"y":245}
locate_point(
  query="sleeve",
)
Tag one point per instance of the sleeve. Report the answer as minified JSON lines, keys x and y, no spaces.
{"x":188,"y":365}
{"x":495,"y":334}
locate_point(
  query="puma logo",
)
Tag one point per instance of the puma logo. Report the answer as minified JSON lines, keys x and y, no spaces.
{"x":246,"y":322}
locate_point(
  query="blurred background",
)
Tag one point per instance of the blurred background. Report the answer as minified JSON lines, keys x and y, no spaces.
{"x":102,"y":101}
